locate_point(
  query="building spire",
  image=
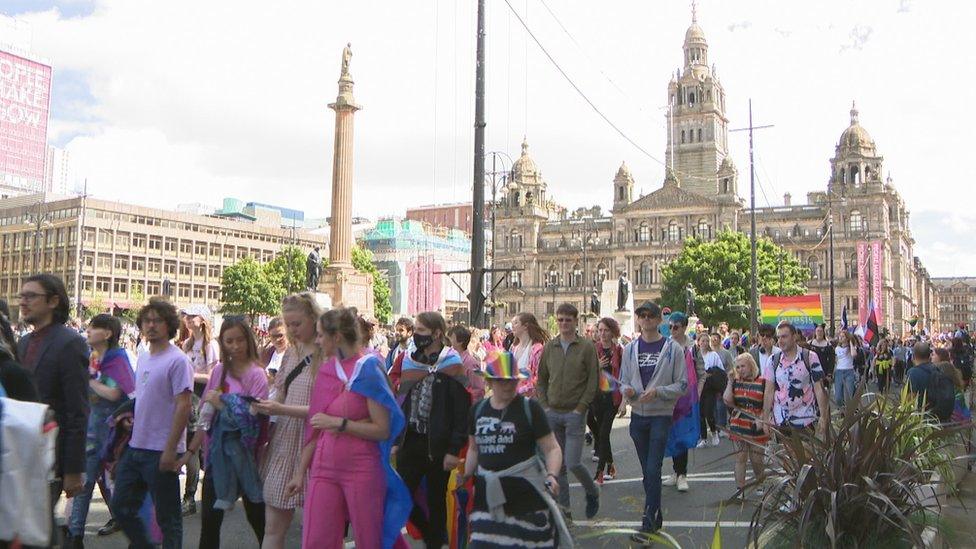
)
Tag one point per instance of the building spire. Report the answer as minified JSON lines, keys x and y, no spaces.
{"x":853,"y":113}
{"x":694,"y":11}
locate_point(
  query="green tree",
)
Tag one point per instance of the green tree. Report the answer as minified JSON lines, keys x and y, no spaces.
{"x":246,"y":289}
{"x":287,"y":271}
{"x":138,"y":299}
{"x":362,"y":260}
{"x":719,"y":273}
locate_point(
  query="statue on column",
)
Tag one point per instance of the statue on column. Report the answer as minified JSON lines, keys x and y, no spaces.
{"x":595,"y":304}
{"x":313,"y":270}
{"x":623,"y":291}
{"x":346,"y":57}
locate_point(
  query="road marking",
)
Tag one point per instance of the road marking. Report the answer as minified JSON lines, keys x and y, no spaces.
{"x":691,"y":480}
{"x":667,"y":524}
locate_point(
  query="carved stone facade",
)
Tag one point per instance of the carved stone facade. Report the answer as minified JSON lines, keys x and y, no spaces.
{"x":563,"y":256}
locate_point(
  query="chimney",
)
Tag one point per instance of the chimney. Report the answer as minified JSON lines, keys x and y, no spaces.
{"x":787,"y":198}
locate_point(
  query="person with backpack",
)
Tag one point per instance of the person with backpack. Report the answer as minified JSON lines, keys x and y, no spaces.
{"x":794,"y":397}
{"x":513,"y":505}
{"x":961,"y":356}
{"x":936,"y":393}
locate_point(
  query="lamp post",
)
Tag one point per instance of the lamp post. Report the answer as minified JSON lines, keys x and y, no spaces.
{"x":40,"y":219}
{"x":494,"y":202}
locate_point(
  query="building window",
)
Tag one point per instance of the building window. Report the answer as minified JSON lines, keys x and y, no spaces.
{"x":601,"y":274}
{"x":228,"y":252}
{"x":644,"y":232}
{"x":120,"y":287}
{"x":184,"y":291}
{"x":814,"y":267}
{"x":674,"y":232}
{"x":699,"y":135}
{"x":155,"y":243}
{"x":169,"y":268}
{"x":138,"y":242}
{"x":185,"y":269}
{"x":104,"y":262}
{"x":87,"y":259}
{"x":852,"y":267}
{"x":103,"y":284}
{"x":644,"y":273}
{"x":856,"y":221}
{"x":515,"y":279}
{"x":515,"y":240}
{"x":155,"y":265}
{"x":576,"y":276}
{"x":138,"y":265}
{"x":199,"y":292}
{"x":86,"y":283}
{"x":704,"y":231}
{"x":552,"y":277}
{"x":186,"y":246}
{"x":121,"y":263}
{"x":213,"y":271}
{"x":169,"y":245}
{"x":152,"y":288}
{"x":215,"y":250}
{"x":199,"y":271}
{"x":682,"y":136}
{"x":213,"y":292}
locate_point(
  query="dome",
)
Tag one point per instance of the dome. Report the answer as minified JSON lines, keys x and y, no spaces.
{"x":623,"y":172}
{"x":694,"y":33}
{"x":727,"y":165}
{"x":524,"y":165}
{"x":855,"y":136}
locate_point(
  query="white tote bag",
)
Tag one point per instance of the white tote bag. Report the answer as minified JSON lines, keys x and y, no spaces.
{"x":26,"y":463}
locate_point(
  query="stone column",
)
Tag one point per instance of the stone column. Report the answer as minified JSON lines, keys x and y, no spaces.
{"x":340,"y":228}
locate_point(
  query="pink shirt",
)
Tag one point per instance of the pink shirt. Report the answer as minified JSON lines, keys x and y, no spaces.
{"x":337,"y":453}
{"x":476,"y":380}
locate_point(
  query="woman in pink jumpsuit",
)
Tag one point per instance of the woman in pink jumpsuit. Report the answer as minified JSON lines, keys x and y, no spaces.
{"x":346,"y":480}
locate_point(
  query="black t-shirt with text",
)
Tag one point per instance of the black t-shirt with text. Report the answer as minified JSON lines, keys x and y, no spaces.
{"x":505,"y":438}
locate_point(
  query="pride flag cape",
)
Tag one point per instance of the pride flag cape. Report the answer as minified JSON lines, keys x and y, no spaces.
{"x":608,"y":383}
{"x":685,"y":429}
{"x":369,"y":380}
{"x":803,"y":311}
{"x":448,"y":362}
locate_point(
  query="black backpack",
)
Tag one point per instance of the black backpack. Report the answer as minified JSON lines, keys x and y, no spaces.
{"x":940,"y":397}
{"x":965,"y":365}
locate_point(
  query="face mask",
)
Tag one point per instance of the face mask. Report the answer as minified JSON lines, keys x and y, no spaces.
{"x":423,"y":341}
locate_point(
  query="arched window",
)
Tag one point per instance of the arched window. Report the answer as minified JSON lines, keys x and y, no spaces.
{"x":852,"y":267}
{"x":644,"y":273}
{"x":620,"y":193}
{"x":682,"y":136}
{"x":644,"y":232}
{"x":726,"y":185}
{"x":515,"y":240}
{"x":552,"y":276}
{"x":691,"y":98}
{"x":699,"y":135}
{"x":704,"y":231}
{"x":814,"y":267}
{"x":516,"y":278}
{"x":856,"y":221}
{"x":576,"y":276}
{"x":601,"y":274}
{"x":674,"y":232}
{"x":855,"y":176}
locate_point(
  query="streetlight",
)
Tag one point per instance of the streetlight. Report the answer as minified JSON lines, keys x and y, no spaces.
{"x":494,"y":201}
{"x":40,"y":219}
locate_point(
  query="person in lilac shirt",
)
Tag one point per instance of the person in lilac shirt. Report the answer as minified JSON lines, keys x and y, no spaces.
{"x":164,"y":384}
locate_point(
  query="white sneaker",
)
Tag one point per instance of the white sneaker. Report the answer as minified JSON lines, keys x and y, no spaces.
{"x":682,"y":484}
{"x":595,"y":459}
{"x":715,"y":440}
{"x":703,"y":443}
{"x":760,"y":491}
{"x":669,"y":480}
{"x":723,"y":434}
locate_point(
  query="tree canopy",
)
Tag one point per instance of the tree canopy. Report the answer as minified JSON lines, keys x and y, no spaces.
{"x":287,"y":270}
{"x":362,"y":260}
{"x":719,"y":273}
{"x":247,"y":289}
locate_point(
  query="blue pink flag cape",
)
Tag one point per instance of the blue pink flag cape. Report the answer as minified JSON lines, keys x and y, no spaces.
{"x":448,"y":357}
{"x":685,"y":430}
{"x":372,"y":383}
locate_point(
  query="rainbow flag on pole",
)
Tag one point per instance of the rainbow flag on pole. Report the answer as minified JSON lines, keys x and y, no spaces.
{"x":803,"y":311}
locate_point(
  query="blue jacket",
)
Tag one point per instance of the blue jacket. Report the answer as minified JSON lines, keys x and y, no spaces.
{"x":231,"y":460}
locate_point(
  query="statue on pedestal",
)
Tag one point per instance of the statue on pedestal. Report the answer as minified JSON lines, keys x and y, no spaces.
{"x":313,"y":270}
{"x":595,"y":304}
{"x":690,"y":300}
{"x":623,"y":291}
{"x":346,"y":57}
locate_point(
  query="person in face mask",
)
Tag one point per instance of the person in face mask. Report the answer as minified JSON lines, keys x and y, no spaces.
{"x":436,"y":405}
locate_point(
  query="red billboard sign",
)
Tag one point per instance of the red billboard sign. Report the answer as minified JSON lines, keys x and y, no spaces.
{"x":25,"y":99}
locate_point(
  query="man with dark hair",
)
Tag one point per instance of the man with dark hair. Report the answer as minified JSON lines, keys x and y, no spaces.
{"x":920,"y":374}
{"x":57,"y":356}
{"x":763,"y":353}
{"x":404,"y":331}
{"x":163,"y":389}
{"x":568,"y":380}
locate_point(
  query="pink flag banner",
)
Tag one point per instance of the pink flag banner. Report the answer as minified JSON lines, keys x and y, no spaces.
{"x":862,"y":283}
{"x":424,"y":288}
{"x":878,"y":275}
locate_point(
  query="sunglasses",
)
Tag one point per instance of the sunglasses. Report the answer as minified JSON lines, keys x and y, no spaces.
{"x":645,"y":316}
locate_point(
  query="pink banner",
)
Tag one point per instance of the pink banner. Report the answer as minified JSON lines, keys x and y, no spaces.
{"x":424,"y":290}
{"x":878,"y":276}
{"x":25,"y":98}
{"x":862,"y":283}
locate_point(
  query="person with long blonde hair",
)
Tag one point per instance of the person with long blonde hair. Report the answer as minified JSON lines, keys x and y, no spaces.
{"x":288,"y":406}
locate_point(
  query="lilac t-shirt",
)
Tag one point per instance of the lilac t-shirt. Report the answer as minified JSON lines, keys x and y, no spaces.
{"x":160,"y":378}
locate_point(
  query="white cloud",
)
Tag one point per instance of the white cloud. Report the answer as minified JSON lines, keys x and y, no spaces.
{"x":221,"y":98}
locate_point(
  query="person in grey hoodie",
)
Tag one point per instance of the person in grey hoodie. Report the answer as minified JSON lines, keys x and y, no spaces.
{"x":653,"y":377}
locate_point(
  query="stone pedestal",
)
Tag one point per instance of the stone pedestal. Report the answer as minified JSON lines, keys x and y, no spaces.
{"x":608,"y":306}
{"x":348,"y":288}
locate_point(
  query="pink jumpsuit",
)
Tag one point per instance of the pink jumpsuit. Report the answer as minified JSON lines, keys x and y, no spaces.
{"x":345,"y":480}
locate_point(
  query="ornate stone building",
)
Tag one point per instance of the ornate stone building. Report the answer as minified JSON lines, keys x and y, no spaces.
{"x":561,"y":255}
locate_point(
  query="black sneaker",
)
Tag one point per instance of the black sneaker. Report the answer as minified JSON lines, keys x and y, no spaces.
{"x":75,"y":542}
{"x":189,"y":507}
{"x":588,"y":438}
{"x":592,"y":505}
{"x":110,"y":528}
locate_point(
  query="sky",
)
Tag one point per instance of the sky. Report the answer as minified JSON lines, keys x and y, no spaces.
{"x":161,"y":103}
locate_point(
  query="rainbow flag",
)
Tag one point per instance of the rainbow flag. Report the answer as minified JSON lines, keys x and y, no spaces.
{"x":803,"y":311}
{"x":608,"y":383}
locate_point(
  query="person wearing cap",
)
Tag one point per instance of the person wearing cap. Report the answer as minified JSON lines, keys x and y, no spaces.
{"x":685,"y":429}
{"x":568,"y":381}
{"x":653,"y":376}
{"x":512,"y":505}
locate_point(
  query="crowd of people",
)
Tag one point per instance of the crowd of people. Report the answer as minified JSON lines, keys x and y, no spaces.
{"x":367,"y":433}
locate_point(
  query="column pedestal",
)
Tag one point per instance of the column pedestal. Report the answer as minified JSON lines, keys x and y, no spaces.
{"x":348,"y":288}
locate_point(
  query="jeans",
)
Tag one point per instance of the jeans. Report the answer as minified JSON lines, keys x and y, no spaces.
{"x":94,"y":474}
{"x":137,"y":473}
{"x":568,"y":428}
{"x":844,"y":382}
{"x":650,"y":436}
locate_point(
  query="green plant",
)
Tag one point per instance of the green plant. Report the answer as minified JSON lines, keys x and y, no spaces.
{"x":867,"y":483}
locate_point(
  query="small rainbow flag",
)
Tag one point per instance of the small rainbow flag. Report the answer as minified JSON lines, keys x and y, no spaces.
{"x":502,"y":365}
{"x":803,"y":311}
{"x":608,"y":383}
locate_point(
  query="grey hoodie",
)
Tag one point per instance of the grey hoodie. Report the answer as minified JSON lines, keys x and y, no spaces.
{"x":670,"y":378}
